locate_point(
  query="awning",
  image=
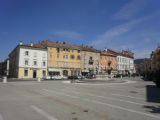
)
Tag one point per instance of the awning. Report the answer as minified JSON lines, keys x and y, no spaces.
{"x":54,"y":70}
{"x":85,"y":70}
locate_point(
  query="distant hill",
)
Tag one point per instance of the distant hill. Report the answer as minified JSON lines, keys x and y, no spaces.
{"x":138,"y":61}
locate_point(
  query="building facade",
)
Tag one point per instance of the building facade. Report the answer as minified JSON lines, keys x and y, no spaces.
{"x":125,"y":61}
{"x":4,"y":68}
{"x":28,"y":61}
{"x":90,"y":60}
{"x":108,"y":63}
{"x":63,"y":59}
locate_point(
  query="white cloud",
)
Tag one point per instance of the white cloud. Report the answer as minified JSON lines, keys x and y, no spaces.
{"x":67,"y":34}
{"x":116,"y":31}
{"x":130,"y":10}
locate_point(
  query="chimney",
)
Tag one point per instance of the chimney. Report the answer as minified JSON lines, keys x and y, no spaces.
{"x":20,"y":43}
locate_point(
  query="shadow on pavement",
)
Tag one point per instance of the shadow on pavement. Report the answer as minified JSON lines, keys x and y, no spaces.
{"x":153,"y":109}
{"x":152,"y":94}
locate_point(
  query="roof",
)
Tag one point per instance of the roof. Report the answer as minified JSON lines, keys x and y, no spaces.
{"x":27,"y":46}
{"x":105,"y":53}
{"x":32,"y":47}
{"x":89,"y":49}
{"x":47,"y":43}
{"x":124,"y":53}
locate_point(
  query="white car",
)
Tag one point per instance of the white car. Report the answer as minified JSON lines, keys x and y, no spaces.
{"x":47,"y":77}
{"x":64,"y":77}
{"x":57,"y":77}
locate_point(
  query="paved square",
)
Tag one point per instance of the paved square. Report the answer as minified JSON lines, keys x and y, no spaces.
{"x":57,"y":100}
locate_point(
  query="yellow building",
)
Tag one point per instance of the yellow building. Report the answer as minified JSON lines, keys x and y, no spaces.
{"x":63,"y":59}
{"x":28,"y":61}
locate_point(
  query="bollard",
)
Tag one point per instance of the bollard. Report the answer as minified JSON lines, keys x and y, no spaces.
{"x":4,"y":79}
{"x":121,"y":76}
{"x":39,"y":79}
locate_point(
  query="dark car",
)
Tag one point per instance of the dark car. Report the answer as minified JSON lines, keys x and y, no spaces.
{"x":117,"y":76}
{"x":73,"y":77}
{"x":92,"y":76}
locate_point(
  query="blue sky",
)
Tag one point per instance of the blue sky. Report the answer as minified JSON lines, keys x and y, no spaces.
{"x":116,"y":24}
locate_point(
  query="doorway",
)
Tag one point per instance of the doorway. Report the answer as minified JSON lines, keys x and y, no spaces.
{"x":34,"y":73}
{"x":65,"y":73}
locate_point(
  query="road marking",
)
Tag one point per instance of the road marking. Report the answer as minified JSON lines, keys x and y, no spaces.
{"x":43,"y":113}
{"x":106,"y":104}
{"x":109,"y":98}
{"x":139,"y":98}
{"x":107,"y":84}
{"x":61,"y":93}
{"x":1,"y":118}
{"x":125,"y":109}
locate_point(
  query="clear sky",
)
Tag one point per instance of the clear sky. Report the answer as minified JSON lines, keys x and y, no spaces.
{"x":117,"y":24}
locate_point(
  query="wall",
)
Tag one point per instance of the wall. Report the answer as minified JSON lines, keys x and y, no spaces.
{"x":105,"y":59}
{"x":64,"y":62}
{"x":85,"y":61}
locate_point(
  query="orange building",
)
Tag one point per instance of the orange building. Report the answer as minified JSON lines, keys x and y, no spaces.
{"x":108,"y":63}
{"x":63,"y":58}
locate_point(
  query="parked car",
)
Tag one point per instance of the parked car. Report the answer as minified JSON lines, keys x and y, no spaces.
{"x":57,"y":77}
{"x":117,"y":76}
{"x":64,"y":77}
{"x":72,"y":77}
{"x":91,"y":76}
{"x":47,"y":77}
{"x":81,"y":77}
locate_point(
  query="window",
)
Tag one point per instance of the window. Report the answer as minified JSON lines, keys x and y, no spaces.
{"x":26,"y":62}
{"x":57,"y":55}
{"x":78,"y":57}
{"x":44,"y":73}
{"x":26,"y":53}
{"x":66,"y":56}
{"x":58,"y":50}
{"x":78,"y":51}
{"x":35,"y":63}
{"x":72,"y":51}
{"x":72,"y":56}
{"x":25,"y":72}
{"x":44,"y":63}
{"x":50,"y":55}
{"x":90,"y":61}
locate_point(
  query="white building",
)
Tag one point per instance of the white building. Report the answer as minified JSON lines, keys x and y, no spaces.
{"x":125,"y":64}
{"x":125,"y":61}
{"x":28,"y":61}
